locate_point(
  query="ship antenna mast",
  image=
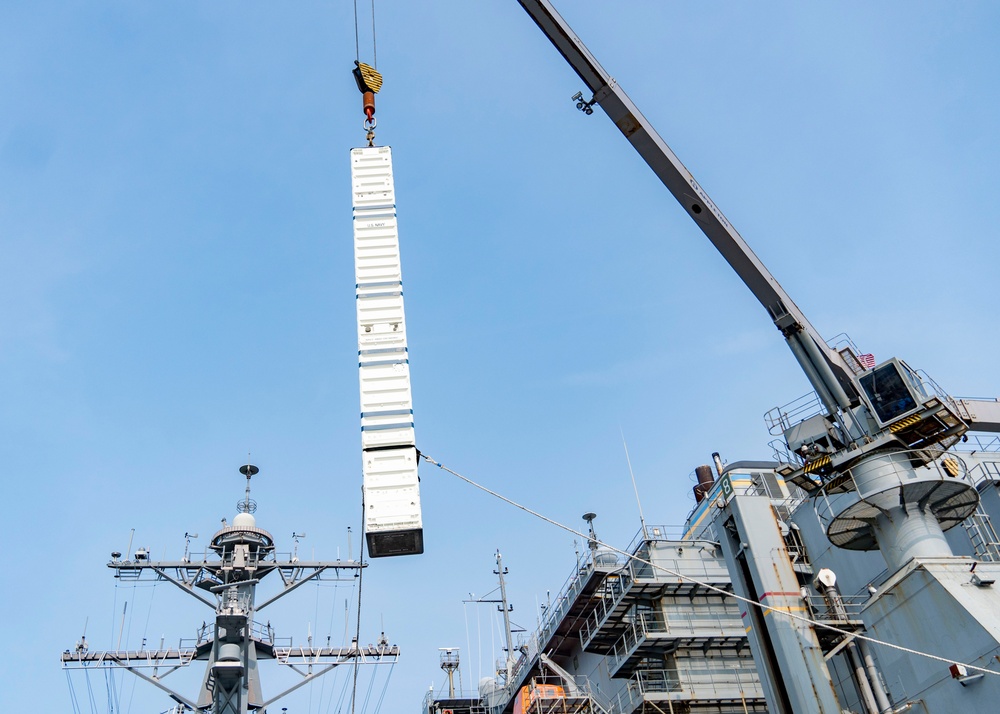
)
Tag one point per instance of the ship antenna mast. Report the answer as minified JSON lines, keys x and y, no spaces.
{"x":505,"y":608}
{"x":642,"y":519}
{"x":248,"y":505}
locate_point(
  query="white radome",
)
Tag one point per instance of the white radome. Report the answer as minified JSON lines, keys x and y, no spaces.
{"x":244,"y":520}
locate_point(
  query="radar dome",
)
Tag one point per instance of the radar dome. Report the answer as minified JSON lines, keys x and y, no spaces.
{"x":244,"y":520}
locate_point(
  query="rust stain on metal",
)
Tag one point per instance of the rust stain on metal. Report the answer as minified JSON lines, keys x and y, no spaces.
{"x":628,"y":125}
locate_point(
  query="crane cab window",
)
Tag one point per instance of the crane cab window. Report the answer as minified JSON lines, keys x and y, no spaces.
{"x":888,"y":392}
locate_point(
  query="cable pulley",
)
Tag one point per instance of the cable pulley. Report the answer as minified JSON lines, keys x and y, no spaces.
{"x":369,"y":82}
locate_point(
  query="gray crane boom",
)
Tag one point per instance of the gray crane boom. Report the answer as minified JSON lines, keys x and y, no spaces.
{"x":825,"y":368}
{"x":980,"y":414}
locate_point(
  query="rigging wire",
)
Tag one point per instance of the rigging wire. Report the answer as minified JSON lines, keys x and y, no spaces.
{"x":90,"y":694}
{"x":336,"y":672}
{"x":312,"y":687}
{"x":72,"y":693}
{"x":357,"y":631}
{"x":343,"y":696}
{"x":385,"y":689}
{"x":329,"y":636}
{"x":494,"y":626}
{"x":468,"y":642}
{"x":721,"y":591}
{"x":115,"y":690}
{"x":368,"y":693}
{"x":109,"y":690}
{"x":145,"y":631}
{"x":479,"y":637}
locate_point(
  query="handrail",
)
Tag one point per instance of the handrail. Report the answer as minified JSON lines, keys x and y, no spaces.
{"x":901,"y":462}
{"x":798,"y":410}
{"x":980,"y":442}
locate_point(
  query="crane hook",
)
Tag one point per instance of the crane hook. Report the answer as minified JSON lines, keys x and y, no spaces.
{"x":369,"y":82}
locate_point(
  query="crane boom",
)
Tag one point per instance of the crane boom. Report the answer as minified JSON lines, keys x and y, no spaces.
{"x":825,"y":368}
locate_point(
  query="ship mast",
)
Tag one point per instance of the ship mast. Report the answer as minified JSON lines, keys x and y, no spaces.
{"x":239,"y":556}
{"x":506,"y":609}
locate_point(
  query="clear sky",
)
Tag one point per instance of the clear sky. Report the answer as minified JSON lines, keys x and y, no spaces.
{"x":177,"y":285}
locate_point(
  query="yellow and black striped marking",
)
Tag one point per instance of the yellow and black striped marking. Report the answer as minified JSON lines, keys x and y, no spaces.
{"x":903,"y":423}
{"x":817,"y":464}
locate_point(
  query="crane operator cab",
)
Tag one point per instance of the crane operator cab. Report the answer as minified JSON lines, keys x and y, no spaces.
{"x":896,"y":407}
{"x":892,"y":390}
{"x":910,"y":407}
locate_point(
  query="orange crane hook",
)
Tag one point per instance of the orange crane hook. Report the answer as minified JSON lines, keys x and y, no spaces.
{"x":369,"y":82}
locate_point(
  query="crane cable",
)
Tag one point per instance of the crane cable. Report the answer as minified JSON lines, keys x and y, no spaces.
{"x":357,"y":36}
{"x":367,"y":77}
{"x":714,"y":588}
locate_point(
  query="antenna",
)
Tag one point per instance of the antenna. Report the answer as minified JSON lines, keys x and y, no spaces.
{"x":449,"y":663}
{"x":187,"y":546}
{"x":128,"y":550}
{"x":642,"y":519}
{"x":295,"y":551}
{"x":589,"y":517}
{"x":248,"y":505}
{"x":81,"y":646}
{"x":505,"y":608}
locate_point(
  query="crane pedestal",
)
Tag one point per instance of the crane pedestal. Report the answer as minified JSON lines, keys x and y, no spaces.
{"x":900,"y":508}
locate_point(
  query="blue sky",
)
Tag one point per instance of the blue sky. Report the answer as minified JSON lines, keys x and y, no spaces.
{"x":177,"y":284}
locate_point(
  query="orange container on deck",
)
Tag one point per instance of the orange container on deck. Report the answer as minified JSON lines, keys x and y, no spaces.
{"x":531,"y":694}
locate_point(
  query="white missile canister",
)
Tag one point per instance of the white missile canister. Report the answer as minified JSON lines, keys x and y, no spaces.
{"x":393,"y":523}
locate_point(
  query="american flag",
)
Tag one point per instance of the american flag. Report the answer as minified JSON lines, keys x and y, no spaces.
{"x":867,"y":361}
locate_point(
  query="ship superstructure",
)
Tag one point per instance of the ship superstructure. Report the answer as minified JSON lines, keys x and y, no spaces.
{"x":654,"y":631}
{"x":866,"y":462}
{"x":233,"y":644}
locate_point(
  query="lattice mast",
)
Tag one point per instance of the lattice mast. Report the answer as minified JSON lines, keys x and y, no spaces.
{"x":232,"y":644}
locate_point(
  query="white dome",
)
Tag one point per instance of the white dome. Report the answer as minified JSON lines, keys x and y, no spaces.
{"x":244,"y":520}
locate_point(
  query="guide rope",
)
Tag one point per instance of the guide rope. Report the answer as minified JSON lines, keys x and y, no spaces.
{"x":708,"y":586}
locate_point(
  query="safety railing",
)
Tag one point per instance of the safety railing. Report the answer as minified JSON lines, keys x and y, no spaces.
{"x":983,"y":537}
{"x":694,"y":682}
{"x":676,"y":624}
{"x":259,"y":631}
{"x":851,"y":607}
{"x":625,"y":646}
{"x":783,"y":455}
{"x":576,"y":696}
{"x":648,"y":534}
{"x":614,"y":591}
{"x":980,"y":443}
{"x":665,"y":567}
{"x":131,"y":659}
{"x":781,"y":418}
{"x":567,"y":596}
{"x":930,"y":387}
{"x":896,"y":471}
{"x":985,"y":471}
{"x":467,"y":697}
